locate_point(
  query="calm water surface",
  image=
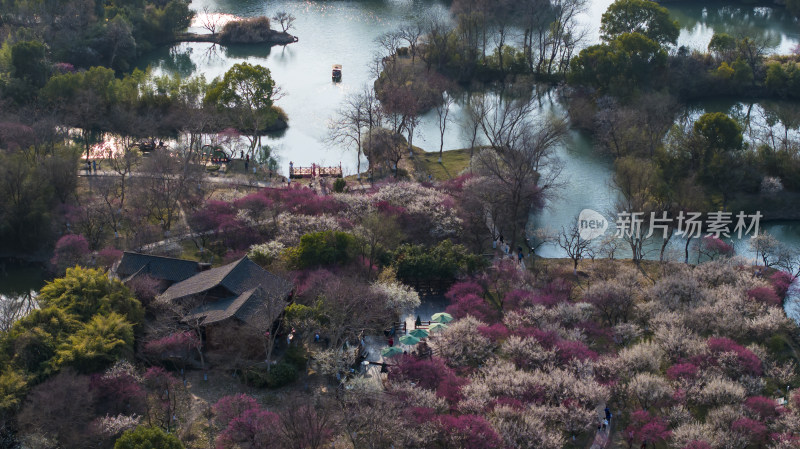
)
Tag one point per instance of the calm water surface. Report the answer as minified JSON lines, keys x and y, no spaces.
{"x":344,"y":32}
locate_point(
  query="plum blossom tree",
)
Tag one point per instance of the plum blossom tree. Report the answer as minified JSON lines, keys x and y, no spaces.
{"x":649,"y":390}
{"x":461,"y":345}
{"x":71,"y":250}
{"x":647,"y":429}
{"x":714,"y":247}
{"x":180,"y":345}
{"x":254,"y":428}
{"x":227,"y":408}
{"x":431,"y":374}
{"x":525,"y":429}
{"x":469,"y":432}
{"x":167,"y":398}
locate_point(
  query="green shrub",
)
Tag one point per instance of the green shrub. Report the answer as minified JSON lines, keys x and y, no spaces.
{"x":321,"y":248}
{"x":282,"y":374}
{"x":265,"y":253}
{"x":339,"y":185}
{"x":443,"y":261}
{"x":256,"y":377}
{"x":147,"y":438}
{"x":297,"y":356}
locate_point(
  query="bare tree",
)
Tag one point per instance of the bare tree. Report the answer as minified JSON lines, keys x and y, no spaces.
{"x":390,"y":42}
{"x":305,"y":424}
{"x":522,"y":159}
{"x":210,"y":21}
{"x":285,"y":19}
{"x":539,"y":237}
{"x":437,"y":40}
{"x":123,"y":163}
{"x":442,"y":113}
{"x":411,"y":34}
{"x":169,"y":180}
{"x":14,"y":307}
{"x":475,"y":114}
{"x":571,"y":242}
{"x":359,"y":114}
{"x":266,"y":321}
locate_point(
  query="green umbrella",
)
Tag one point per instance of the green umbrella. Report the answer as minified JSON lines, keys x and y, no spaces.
{"x":436,"y":327}
{"x":391,"y":352}
{"x":419,"y":333}
{"x":442,"y":317}
{"x":409,"y":340}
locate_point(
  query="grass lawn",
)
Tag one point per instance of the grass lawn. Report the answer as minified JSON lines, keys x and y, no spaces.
{"x":454,"y":162}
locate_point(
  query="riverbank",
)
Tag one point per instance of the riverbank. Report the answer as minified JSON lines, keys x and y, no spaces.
{"x":781,"y":206}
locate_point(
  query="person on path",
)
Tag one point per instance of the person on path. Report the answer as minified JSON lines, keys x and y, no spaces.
{"x":246,"y":162}
{"x":94,"y":166}
{"x":608,"y":413}
{"x":605,"y":424}
{"x":520,"y":256}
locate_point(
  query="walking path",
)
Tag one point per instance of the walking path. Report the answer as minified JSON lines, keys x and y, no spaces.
{"x":233,"y":181}
{"x":602,"y":437}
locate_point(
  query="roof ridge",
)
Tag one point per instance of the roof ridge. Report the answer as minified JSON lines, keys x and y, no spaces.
{"x":160,"y":257}
{"x":233,"y":267}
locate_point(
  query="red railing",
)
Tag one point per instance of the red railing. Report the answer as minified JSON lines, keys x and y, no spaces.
{"x":314,"y":170}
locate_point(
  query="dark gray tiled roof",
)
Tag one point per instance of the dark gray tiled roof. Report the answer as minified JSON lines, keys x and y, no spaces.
{"x":252,"y":292}
{"x":225,"y":308}
{"x":163,"y":268}
{"x":254,"y":307}
{"x":236,"y":277}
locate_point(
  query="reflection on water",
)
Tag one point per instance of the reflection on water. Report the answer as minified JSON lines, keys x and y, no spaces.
{"x":344,"y":32}
{"x":700,"y":21}
{"x":770,"y":25}
{"x":19,"y":286}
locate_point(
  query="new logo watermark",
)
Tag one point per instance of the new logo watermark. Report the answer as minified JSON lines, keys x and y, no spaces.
{"x":592,"y":224}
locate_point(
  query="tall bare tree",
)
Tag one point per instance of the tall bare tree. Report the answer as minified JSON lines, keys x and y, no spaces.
{"x":359,"y":115}
{"x":285,"y":19}
{"x":442,"y":114}
{"x":210,"y":21}
{"x":522,"y":158}
{"x":569,"y":239}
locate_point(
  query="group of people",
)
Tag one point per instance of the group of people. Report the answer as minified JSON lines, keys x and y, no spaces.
{"x":604,"y":425}
{"x":91,"y":166}
{"x":519,"y":256}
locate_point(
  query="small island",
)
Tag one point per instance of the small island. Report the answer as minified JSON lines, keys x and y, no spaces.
{"x":253,"y":30}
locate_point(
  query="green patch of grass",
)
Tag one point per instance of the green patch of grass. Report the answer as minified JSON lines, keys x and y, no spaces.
{"x":454,"y":162}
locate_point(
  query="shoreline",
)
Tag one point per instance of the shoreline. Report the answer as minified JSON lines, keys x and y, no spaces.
{"x":274,"y":38}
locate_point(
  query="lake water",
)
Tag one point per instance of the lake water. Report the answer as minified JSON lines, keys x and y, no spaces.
{"x":344,"y":32}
